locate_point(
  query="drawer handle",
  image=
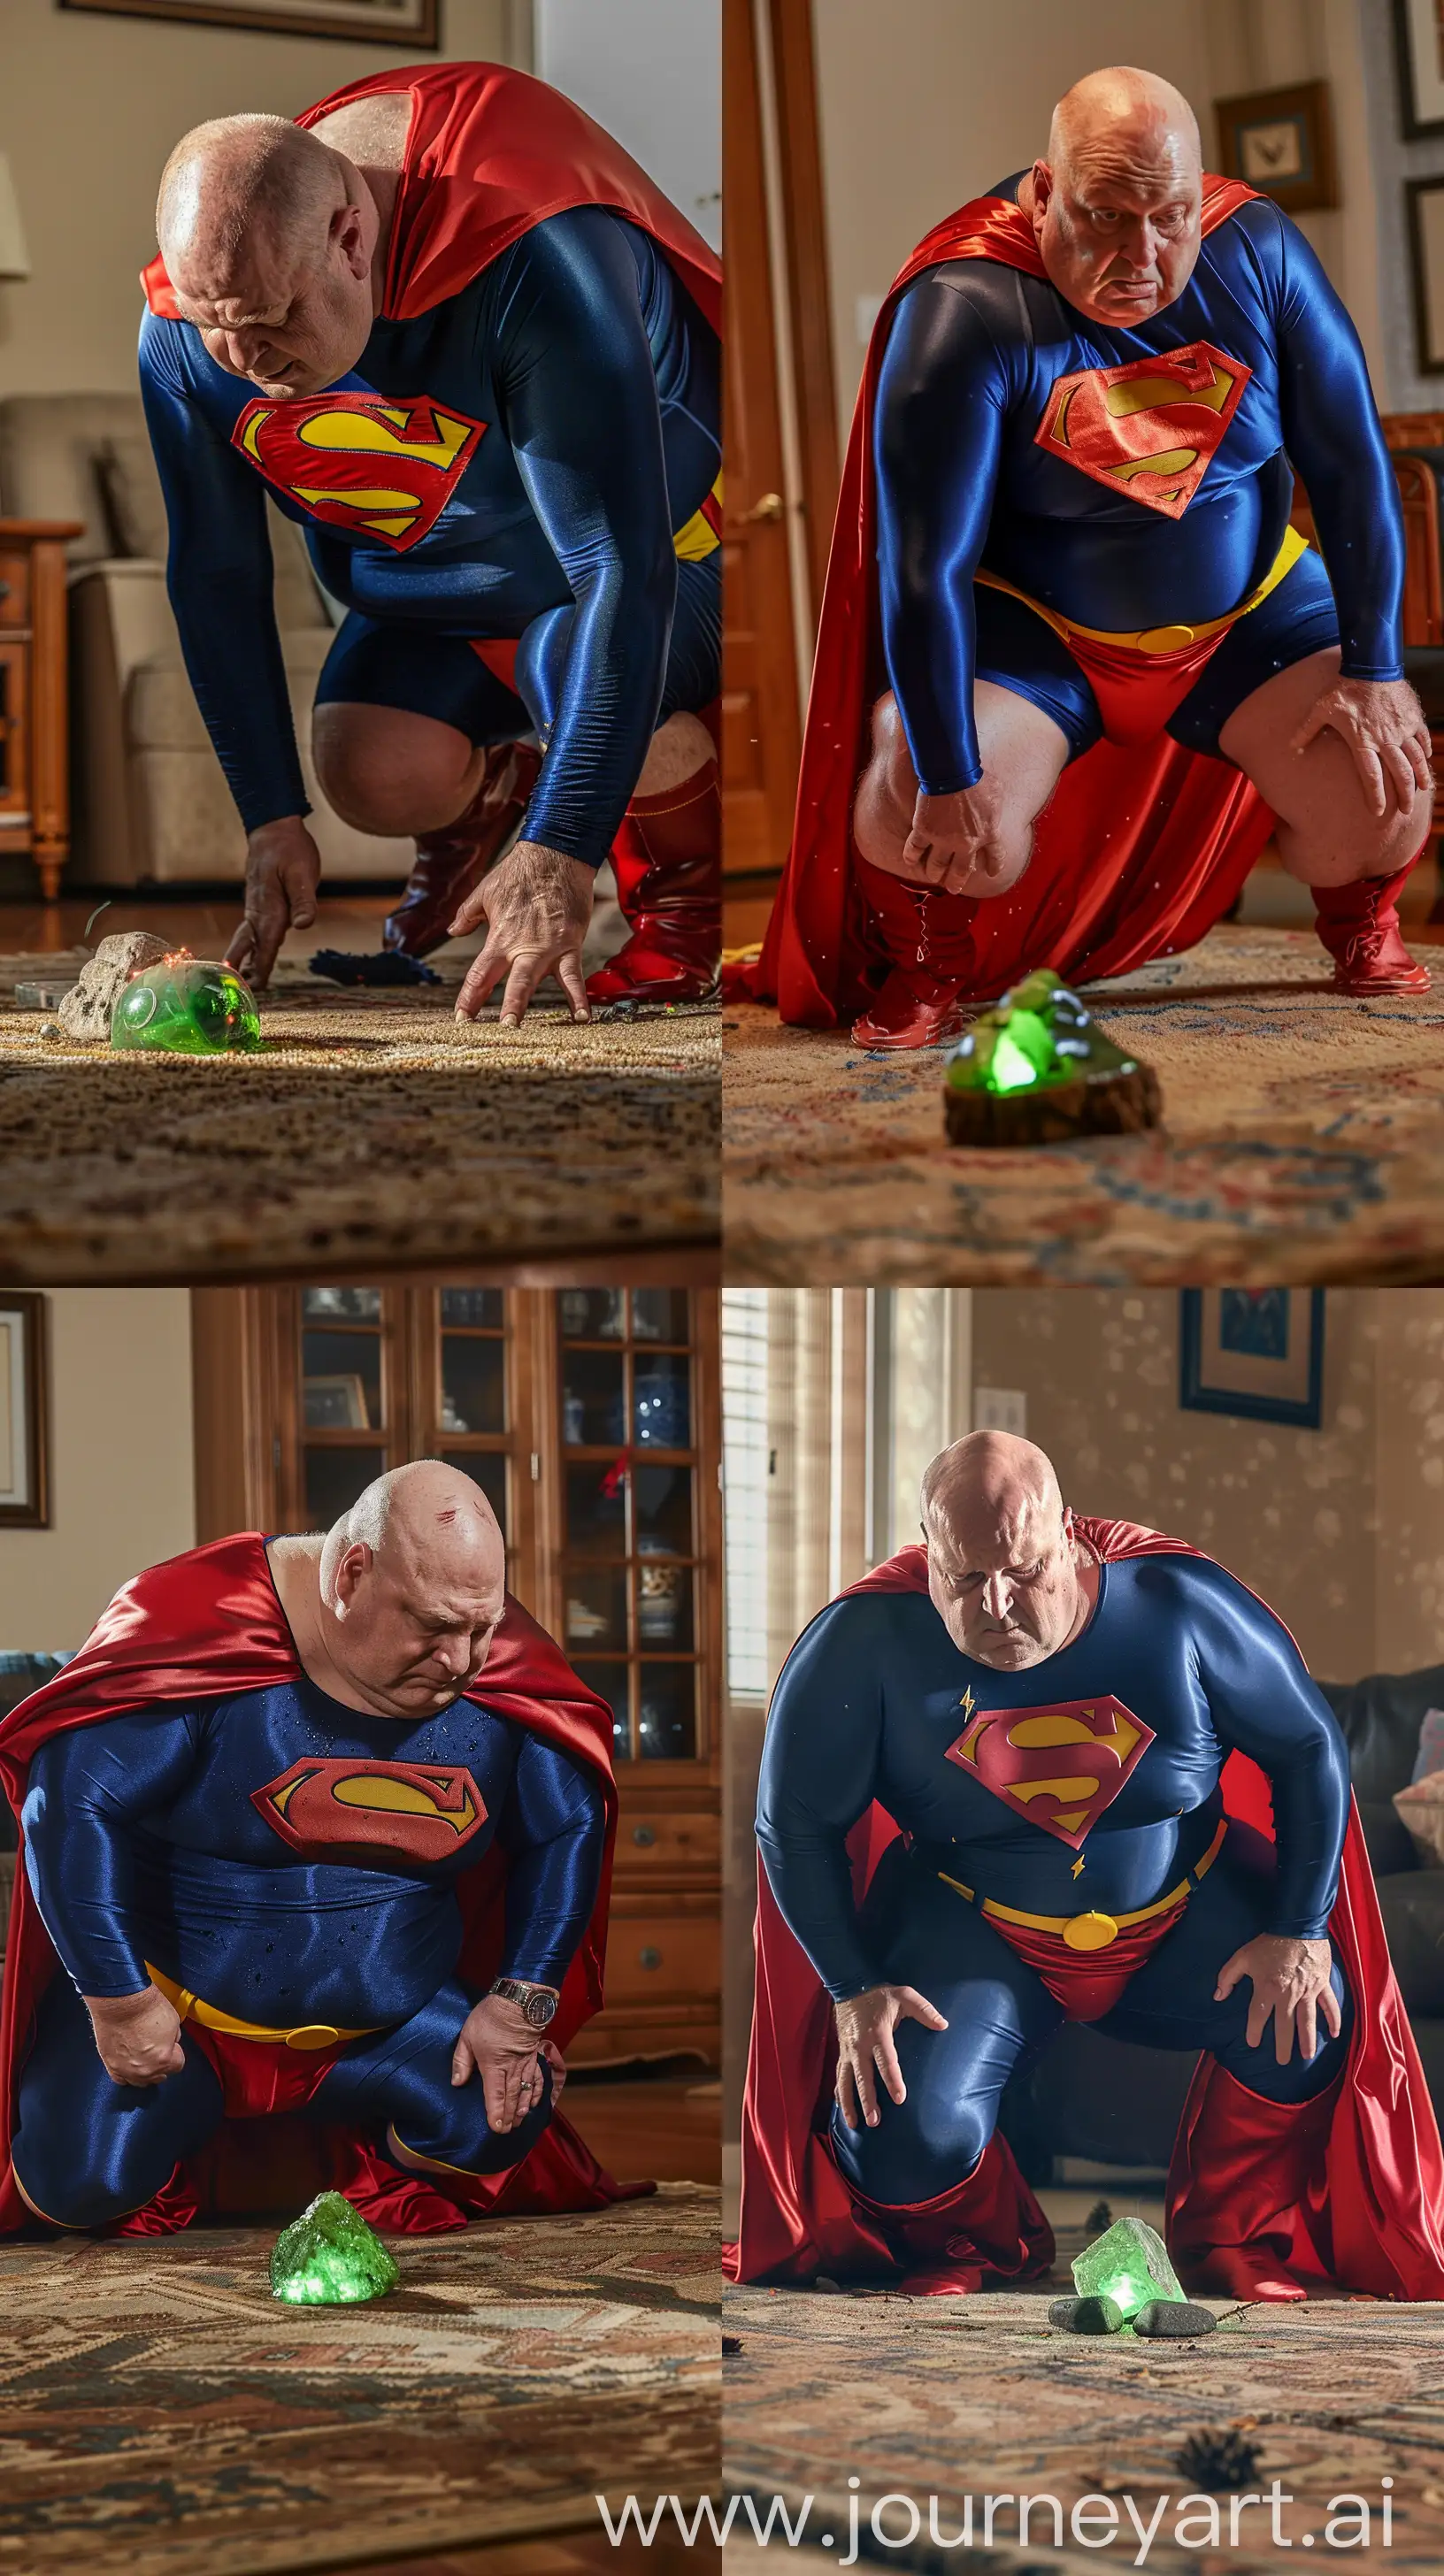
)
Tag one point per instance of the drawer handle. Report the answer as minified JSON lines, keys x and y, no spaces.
{"x":649,"y":1957}
{"x":644,"y":1836}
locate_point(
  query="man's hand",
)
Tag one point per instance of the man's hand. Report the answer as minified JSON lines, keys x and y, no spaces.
{"x":137,"y":2036}
{"x":1384,"y":727}
{"x":954,"y":843}
{"x":1290,"y":1987}
{"x":537,"y":905}
{"x":865,"y":2026}
{"x":498,"y":2043}
{"x":283,"y":866}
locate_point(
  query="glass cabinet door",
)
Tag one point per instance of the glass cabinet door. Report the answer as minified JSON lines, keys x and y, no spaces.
{"x":629,"y":1538}
{"x":473,"y":1412}
{"x":347,"y":1400}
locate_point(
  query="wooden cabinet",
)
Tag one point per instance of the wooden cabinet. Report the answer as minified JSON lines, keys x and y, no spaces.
{"x":34,"y":793}
{"x":590,"y":1417}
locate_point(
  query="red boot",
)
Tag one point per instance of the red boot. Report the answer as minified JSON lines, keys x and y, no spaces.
{"x":451,"y":862}
{"x":988,"y":2228}
{"x":1359,"y":926}
{"x":914,"y":1009}
{"x":667,"y":860}
{"x":1248,"y":2194}
{"x":929,"y":938}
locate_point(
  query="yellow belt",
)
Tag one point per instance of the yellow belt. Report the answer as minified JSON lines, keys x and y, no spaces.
{"x":1160,"y":639}
{"x":1094,"y":1931}
{"x":699,"y":539}
{"x":306,"y":2034}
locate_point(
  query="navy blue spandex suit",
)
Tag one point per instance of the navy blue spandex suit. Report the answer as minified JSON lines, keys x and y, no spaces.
{"x":193,"y":1841}
{"x":1178,"y":1666}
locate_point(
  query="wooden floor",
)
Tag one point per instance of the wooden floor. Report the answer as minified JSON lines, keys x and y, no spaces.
{"x":204,"y":923}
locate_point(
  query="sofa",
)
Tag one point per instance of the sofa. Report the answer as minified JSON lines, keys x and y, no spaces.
{"x":1111,"y":2103}
{"x":149,"y":802}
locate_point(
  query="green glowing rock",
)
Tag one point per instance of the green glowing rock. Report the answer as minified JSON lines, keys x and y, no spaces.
{"x":329,"y":2257}
{"x":1034,"y":1069}
{"x":1128,"y":2264}
{"x":185,"y":1006}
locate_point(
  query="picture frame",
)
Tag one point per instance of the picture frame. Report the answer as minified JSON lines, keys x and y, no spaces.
{"x":1424,"y":203}
{"x":414,"y":24}
{"x":1419,"y":55}
{"x":24,"y":1411}
{"x":1256,"y":1353}
{"x":1281,"y":142}
{"x":334,"y":1404}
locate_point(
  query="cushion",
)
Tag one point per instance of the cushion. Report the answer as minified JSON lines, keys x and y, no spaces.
{"x":1387,"y":1838}
{"x":1413,"y":1912}
{"x":1422,"y":1807}
{"x":134,"y":503}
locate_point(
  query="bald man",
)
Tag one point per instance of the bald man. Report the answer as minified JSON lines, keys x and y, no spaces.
{"x":473,"y":353}
{"x":259,"y":1896}
{"x":1047,"y":1722}
{"x":1086,"y":402}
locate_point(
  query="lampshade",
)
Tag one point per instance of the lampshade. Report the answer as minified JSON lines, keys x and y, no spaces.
{"x":14,"y":257}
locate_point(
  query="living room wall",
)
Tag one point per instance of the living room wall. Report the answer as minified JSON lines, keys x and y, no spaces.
{"x":89,"y":109}
{"x":1340,"y":1529}
{"x":122,"y":1473}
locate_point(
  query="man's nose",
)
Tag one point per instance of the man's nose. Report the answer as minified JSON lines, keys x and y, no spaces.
{"x":1140,"y":243}
{"x":453,"y":1653}
{"x":997,"y":1596}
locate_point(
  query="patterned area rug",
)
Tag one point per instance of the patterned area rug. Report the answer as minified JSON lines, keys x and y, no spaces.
{"x":165,"y":2417}
{"x":1303,"y":1140}
{"x":374,"y":1128}
{"x":949,"y":2398}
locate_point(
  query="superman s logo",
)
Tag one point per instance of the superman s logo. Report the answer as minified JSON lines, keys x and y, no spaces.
{"x":347,"y":1807}
{"x":359,"y":461}
{"x":1149,"y":430}
{"x":1059,"y":1766}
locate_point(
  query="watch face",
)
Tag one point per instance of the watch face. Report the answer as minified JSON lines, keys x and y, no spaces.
{"x":539,"y":2010}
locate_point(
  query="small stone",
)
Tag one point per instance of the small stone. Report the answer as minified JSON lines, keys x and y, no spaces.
{"x":1174,"y":2320}
{"x":329,"y":2257}
{"x":1090,"y":2316}
{"x":1128,"y":2264}
{"x":824,"y":2281}
{"x":49,"y":1029}
{"x":85,"y":1011}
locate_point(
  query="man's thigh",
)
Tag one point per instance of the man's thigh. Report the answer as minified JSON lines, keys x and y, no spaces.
{"x":413,"y":669}
{"x":86,"y":2150}
{"x":998,"y":2013}
{"x":400,"y":2080}
{"x":1170,"y":2003}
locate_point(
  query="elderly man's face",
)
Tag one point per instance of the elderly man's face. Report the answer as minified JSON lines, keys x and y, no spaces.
{"x":1006,"y":1587}
{"x":287,"y":328}
{"x":1119,"y":229}
{"x":413,"y":1643}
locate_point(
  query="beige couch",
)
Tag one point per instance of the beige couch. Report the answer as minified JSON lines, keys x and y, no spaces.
{"x":150,"y":804}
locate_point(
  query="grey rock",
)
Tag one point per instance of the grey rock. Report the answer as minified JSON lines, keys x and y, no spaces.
{"x":86,"y":1009}
{"x":1173,"y":2320}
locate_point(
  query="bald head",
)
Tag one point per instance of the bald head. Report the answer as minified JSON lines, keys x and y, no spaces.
{"x":268,"y":238}
{"x":1004,"y":1569}
{"x":412,"y":1587}
{"x":1116,"y":203}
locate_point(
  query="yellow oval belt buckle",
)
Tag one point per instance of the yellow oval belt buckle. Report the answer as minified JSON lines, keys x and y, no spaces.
{"x":1165,"y":639}
{"x":319,"y":2034}
{"x":1090,"y":1932}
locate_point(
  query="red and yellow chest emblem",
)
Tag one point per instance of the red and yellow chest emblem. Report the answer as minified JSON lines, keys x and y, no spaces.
{"x":344,"y":1806}
{"x":382,"y":469}
{"x":1059,"y":1765}
{"x":1149,"y":430}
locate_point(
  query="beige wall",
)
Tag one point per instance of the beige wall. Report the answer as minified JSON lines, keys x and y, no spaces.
{"x":1341,"y":1530}
{"x":89,"y":109}
{"x":122,"y":1475}
{"x":928,"y":102}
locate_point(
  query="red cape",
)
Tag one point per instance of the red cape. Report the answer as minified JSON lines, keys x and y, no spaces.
{"x":210,"y":1622}
{"x":489,"y":153}
{"x":1380,"y":2184}
{"x":1139,"y":852}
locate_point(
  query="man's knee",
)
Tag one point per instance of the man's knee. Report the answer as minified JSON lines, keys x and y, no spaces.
{"x":388,"y":771}
{"x":898,"y":2164}
{"x":458,"y":2133}
{"x":1351,"y":843}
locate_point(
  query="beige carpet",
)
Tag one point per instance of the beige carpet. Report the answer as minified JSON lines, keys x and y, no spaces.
{"x":163,"y":2416}
{"x":948,"y":2398}
{"x":374,"y":1129}
{"x":1303,"y":1140}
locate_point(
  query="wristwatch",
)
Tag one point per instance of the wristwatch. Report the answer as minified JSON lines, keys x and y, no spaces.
{"x":538,"y":2003}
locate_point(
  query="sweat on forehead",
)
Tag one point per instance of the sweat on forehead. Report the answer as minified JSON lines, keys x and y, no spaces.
{"x":243,"y":194}
{"x":988,"y":1477}
{"x":1127,"y":114}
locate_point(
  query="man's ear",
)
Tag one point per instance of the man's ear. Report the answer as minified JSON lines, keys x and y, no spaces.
{"x":347,"y":232}
{"x":354,"y":1563}
{"x":1042,"y":178}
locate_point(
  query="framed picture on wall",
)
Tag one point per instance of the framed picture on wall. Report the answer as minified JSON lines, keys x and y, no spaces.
{"x":1281,"y":141}
{"x":1419,"y":45}
{"x":1257,"y":1352}
{"x":24,"y":1412}
{"x":412,"y":23}
{"x":1425,"y":199}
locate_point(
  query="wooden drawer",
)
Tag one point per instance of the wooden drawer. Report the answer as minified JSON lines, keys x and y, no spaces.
{"x":14,"y":589}
{"x":668,"y":1846}
{"x":651,"y":1957}
{"x":14,"y":731}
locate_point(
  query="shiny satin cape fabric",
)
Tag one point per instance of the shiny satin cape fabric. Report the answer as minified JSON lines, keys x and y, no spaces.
{"x":489,"y":153}
{"x":210,"y":1623}
{"x":1140,"y":850}
{"x":1367,"y":2213}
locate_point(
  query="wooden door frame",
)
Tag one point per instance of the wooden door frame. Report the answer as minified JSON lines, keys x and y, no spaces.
{"x":803,"y":211}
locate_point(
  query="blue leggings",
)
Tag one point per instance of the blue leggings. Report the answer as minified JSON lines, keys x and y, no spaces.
{"x":88,"y":2151}
{"x":1000,"y":2014}
{"x":391,"y":663}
